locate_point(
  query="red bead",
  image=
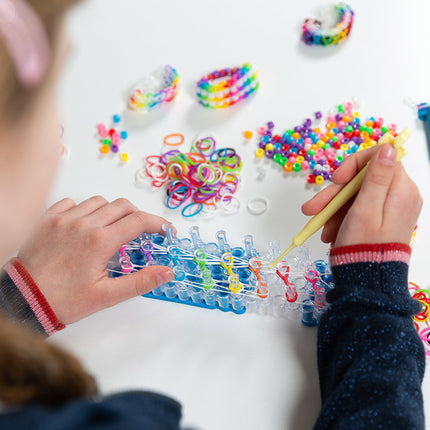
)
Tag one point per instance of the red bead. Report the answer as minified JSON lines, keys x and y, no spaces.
{"x":302,"y":152}
{"x":111,"y":132}
{"x":333,"y":168}
{"x":356,"y":133}
{"x":336,"y":145}
{"x":348,"y":135}
{"x":311,"y":179}
{"x":330,"y":162}
{"x":286,"y":147}
{"x":277,"y":138}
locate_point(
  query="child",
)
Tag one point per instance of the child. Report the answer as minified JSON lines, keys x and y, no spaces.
{"x":371,"y":361}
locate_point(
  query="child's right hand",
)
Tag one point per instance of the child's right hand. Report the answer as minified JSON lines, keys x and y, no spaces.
{"x":386,"y":208}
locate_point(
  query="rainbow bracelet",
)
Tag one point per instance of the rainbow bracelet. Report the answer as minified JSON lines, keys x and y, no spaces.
{"x":314,"y":35}
{"x":226,"y":87}
{"x":161,"y":87}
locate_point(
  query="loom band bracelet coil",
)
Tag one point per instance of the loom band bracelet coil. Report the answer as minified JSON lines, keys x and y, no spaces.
{"x":227,"y":187}
{"x":257,"y":205}
{"x":211,"y":176}
{"x":184,"y":191}
{"x":152,"y":159}
{"x":186,"y":210}
{"x":222,"y":153}
{"x":170,"y":139}
{"x":161,"y":87}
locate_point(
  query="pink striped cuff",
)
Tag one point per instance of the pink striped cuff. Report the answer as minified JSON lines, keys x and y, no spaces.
{"x":34,"y":297}
{"x":377,"y":253}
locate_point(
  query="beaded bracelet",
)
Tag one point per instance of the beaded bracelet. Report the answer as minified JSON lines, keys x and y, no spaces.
{"x":161,"y":87}
{"x":226,"y":87}
{"x":314,"y":35}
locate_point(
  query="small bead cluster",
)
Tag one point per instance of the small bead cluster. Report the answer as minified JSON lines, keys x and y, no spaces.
{"x":321,"y":153}
{"x":159,"y":88}
{"x":224,"y":88}
{"x":313,"y":34}
{"x":201,"y":180}
{"x":112,"y":139}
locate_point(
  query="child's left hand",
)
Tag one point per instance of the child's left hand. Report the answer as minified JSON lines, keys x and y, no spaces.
{"x":67,"y":257}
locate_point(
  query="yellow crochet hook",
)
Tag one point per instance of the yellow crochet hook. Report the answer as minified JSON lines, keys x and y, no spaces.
{"x":345,"y":194}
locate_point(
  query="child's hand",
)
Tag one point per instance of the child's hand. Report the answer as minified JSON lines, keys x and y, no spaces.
{"x":67,"y":257}
{"x":386,"y":208}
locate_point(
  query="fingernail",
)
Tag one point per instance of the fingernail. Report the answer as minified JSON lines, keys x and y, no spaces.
{"x":387,"y":155}
{"x":165,"y":276}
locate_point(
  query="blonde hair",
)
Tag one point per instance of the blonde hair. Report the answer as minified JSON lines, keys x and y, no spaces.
{"x":32,"y":370}
{"x":14,"y":98}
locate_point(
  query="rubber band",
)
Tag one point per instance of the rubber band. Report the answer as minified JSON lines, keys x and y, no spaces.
{"x":149,"y":158}
{"x":225,"y":185}
{"x":172,"y":136}
{"x":232,"y":199}
{"x":173,"y":195}
{"x":186,"y":209}
{"x":253,"y":205}
{"x":161,"y":87}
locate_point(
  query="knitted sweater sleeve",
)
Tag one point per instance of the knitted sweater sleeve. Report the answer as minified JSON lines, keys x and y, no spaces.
{"x":22,"y":301}
{"x":370,"y":358}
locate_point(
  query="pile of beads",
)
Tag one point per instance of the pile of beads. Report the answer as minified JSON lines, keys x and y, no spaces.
{"x":112,"y":139}
{"x":199,"y":181}
{"x":226,"y":87}
{"x":161,"y":87}
{"x":313,"y":34}
{"x":215,"y":275}
{"x":422,"y":320}
{"x":319,"y":152}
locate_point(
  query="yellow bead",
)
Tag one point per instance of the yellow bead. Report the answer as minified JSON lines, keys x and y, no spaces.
{"x":259,"y":153}
{"x":355,"y":115}
{"x":269,"y":147}
{"x":363,"y":146}
{"x":124,"y":157}
{"x":320,"y":144}
{"x":300,"y":159}
{"x":372,"y":143}
{"x":319,"y":180}
{"x":344,"y":147}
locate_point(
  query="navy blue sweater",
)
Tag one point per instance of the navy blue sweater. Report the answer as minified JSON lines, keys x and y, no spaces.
{"x":370,"y":358}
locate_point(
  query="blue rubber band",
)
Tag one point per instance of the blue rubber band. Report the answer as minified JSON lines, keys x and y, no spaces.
{"x":193,"y":214}
{"x":182,"y":201}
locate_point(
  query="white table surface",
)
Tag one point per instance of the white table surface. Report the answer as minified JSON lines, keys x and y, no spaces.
{"x":229,"y":372}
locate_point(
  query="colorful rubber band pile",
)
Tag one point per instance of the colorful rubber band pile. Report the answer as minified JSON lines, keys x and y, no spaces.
{"x":422,"y":320}
{"x":199,"y":181}
{"x":162,"y":87}
{"x":313,"y":34}
{"x":226,"y":87}
{"x":321,"y":152}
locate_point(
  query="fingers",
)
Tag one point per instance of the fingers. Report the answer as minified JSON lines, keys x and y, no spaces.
{"x":403,"y":204}
{"x":112,"y":212}
{"x":376,"y":184}
{"x":318,"y":202}
{"x":133,"y":225}
{"x":88,"y":206}
{"x":60,"y":207}
{"x":352,"y":165}
{"x":116,"y":290}
{"x":331,"y":228}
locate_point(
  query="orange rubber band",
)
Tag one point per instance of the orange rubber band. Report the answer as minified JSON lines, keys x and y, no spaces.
{"x":173,"y":135}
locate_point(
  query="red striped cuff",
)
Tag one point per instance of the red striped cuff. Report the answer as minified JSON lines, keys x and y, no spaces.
{"x":34,"y":297}
{"x":376,"y":253}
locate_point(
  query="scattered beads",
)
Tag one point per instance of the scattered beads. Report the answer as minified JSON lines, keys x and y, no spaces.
{"x":111,"y":139}
{"x":161,"y":87}
{"x":313,"y":34}
{"x":320,"y":153}
{"x":226,"y":87}
{"x":206,"y":177}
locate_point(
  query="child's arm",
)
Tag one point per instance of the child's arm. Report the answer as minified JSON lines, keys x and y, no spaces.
{"x":370,"y":358}
{"x":60,"y":276}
